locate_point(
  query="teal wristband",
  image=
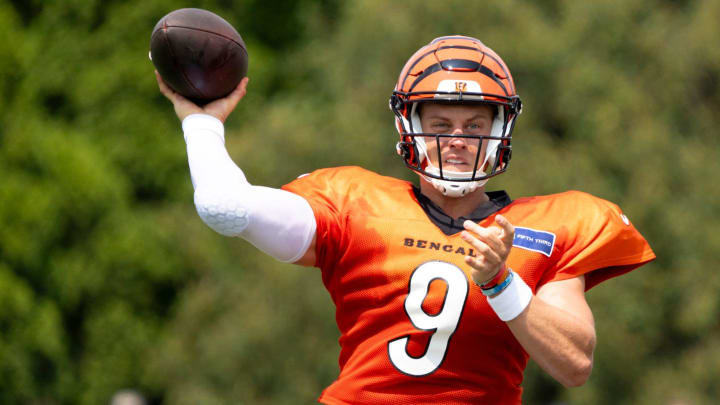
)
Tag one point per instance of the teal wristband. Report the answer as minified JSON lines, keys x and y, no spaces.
{"x":498,"y":288}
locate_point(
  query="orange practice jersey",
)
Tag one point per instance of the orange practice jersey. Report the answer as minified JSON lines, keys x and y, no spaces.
{"x":414,"y":327}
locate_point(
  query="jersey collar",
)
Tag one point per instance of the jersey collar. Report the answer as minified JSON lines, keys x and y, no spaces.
{"x":449,"y":225}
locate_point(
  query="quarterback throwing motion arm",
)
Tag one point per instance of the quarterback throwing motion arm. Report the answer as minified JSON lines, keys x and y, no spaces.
{"x":275,"y":221}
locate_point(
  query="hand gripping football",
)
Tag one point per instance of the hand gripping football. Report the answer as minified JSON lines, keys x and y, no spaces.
{"x":198,"y":54}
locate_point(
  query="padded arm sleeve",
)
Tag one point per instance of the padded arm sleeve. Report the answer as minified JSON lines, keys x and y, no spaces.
{"x":275,"y":221}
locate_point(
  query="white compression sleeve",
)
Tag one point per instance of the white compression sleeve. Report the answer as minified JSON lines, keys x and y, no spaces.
{"x":276,"y":221}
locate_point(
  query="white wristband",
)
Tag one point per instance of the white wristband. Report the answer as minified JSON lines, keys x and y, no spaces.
{"x":513,"y":300}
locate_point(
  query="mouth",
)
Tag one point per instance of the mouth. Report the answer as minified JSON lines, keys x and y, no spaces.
{"x":455,"y":160}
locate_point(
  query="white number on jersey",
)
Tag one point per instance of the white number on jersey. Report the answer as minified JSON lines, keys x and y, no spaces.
{"x":443,"y":323}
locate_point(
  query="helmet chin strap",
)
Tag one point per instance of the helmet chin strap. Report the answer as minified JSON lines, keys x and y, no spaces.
{"x":449,"y":188}
{"x":455,"y":189}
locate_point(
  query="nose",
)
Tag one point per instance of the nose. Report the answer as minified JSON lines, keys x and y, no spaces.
{"x":456,"y":142}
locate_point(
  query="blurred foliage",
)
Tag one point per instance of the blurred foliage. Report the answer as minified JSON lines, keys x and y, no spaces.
{"x":109,"y":280}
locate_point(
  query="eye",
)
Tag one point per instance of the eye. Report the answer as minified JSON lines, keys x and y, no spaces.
{"x":480,"y":125}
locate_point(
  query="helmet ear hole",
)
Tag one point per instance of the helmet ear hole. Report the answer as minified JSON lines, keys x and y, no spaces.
{"x":506,"y":154}
{"x":403,"y":149}
{"x":396,"y":103}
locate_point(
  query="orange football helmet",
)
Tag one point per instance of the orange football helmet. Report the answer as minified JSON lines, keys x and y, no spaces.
{"x":455,"y":69}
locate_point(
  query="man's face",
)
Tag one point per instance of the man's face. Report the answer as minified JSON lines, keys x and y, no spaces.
{"x":457,"y":154}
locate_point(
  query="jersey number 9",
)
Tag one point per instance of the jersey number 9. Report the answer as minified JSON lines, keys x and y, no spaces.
{"x":443,"y":324}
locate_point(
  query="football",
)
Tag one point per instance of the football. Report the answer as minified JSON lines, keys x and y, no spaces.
{"x":198,"y":54}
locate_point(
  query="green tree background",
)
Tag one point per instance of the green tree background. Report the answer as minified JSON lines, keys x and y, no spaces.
{"x":109,"y":280}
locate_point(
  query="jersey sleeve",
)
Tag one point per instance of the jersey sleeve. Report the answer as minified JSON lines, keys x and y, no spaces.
{"x":324,"y":190}
{"x":603,"y":244}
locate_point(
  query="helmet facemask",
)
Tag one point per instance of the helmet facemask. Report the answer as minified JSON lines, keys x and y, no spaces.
{"x":487,"y":161}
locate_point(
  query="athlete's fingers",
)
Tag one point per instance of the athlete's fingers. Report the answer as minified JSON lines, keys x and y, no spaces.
{"x":508,"y":230}
{"x":222,"y":107}
{"x":240,"y":90}
{"x":480,"y":271}
{"x":481,"y":247}
{"x":488,"y":261}
{"x":475,"y":263}
{"x":483,"y":271}
{"x":487,"y":256}
{"x":234,"y":98}
{"x":492,"y":244}
{"x":164,"y":88}
{"x":491,"y":235}
{"x":481,"y":230}
{"x":472,"y":226}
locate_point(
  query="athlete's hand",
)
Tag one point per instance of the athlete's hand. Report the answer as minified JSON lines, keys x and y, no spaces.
{"x":220,"y":108}
{"x":492,"y":245}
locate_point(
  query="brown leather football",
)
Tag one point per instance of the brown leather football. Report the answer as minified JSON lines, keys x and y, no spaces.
{"x":198,"y":54}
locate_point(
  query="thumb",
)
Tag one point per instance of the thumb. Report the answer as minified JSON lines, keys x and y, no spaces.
{"x":221,"y":108}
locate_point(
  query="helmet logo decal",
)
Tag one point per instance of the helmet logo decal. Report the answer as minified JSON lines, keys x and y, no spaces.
{"x":457,"y":86}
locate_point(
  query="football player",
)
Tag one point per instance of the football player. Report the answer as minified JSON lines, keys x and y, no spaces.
{"x":442,"y":290}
